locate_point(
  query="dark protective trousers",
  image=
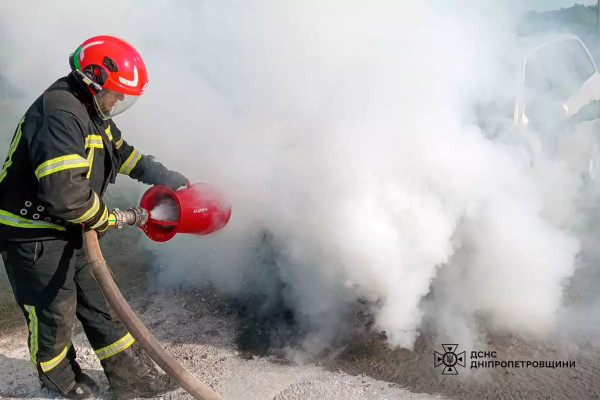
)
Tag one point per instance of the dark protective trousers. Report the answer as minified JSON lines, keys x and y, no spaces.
{"x":52,"y":283}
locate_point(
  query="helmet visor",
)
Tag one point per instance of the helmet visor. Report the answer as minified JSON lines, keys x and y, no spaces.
{"x":110,"y":103}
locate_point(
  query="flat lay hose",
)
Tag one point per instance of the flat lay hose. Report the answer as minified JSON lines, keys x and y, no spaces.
{"x":134,"y":325}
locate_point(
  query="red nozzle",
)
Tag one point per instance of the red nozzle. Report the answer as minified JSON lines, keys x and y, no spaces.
{"x":198,"y":209}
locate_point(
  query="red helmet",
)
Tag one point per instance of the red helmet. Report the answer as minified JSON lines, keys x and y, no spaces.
{"x":113,"y":70}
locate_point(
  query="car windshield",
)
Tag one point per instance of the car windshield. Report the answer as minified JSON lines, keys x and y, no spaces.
{"x":556,"y":71}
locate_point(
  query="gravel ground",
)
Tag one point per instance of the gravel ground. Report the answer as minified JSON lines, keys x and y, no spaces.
{"x":204,"y":342}
{"x":203,"y":332}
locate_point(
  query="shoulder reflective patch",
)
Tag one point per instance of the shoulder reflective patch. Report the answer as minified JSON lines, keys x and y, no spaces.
{"x":60,"y":164}
{"x":119,"y":143}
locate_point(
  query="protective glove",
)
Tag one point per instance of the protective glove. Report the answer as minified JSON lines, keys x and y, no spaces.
{"x":102,"y":229}
{"x":175,"y":180}
{"x":99,"y":222}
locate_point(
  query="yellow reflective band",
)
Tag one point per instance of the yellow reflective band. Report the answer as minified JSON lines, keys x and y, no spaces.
{"x":94,"y":141}
{"x":48,"y":365}
{"x":119,"y":143}
{"x":107,"y":130}
{"x":130,"y":163}
{"x":116,"y":347}
{"x":90,"y":160}
{"x":60,"y":164}
{"x":7,"y":218}
{"x":102,"y":230}
{"x":33,"y":332}
{"x":102,"y":219}
{"x":89,"y":213}
{"x":13,"y":147}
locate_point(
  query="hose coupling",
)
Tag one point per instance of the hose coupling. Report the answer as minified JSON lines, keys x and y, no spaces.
{"x":135,"y":216}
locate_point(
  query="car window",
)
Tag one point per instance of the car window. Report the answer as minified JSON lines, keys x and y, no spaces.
{"x":556,"y":71}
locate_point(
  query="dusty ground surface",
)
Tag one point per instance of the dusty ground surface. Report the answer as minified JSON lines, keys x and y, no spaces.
{"x":202,"y":337}
{"x":413,"y":369}
{"x":203,"y":340}
{"x":226,"y":349}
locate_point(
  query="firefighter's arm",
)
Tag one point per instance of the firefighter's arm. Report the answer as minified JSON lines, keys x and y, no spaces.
{"x":143,"y":167}
{"x":58,"y":158}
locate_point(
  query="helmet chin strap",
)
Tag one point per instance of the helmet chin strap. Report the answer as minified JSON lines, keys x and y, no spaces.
{"x":101,"y":113}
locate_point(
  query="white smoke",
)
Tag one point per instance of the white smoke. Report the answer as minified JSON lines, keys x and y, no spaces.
{"x":344,"y":129}
{"x":165,"y":210}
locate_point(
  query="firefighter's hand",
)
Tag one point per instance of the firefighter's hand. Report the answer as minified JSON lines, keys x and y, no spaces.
{"x":99,"y":221}
{"x":102,"y":229}
{"x":175,"y":180}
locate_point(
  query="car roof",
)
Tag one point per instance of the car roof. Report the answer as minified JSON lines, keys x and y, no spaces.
{"x":531,"y":44}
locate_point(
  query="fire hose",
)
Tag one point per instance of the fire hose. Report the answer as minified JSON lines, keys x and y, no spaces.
{"x":138,"y":216}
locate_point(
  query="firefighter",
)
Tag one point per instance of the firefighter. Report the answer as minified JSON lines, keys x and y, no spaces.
{"x":64,"y":153}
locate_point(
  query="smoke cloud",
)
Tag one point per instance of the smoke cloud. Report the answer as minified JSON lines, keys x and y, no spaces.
{"x":350,"y":136}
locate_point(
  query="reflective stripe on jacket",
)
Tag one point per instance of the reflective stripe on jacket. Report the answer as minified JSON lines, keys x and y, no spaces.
{"x":60,"y":161}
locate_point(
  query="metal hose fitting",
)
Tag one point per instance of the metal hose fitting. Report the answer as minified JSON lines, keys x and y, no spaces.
{"x":135,"y":216}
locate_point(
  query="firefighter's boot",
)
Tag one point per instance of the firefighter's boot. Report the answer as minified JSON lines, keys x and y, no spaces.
{"x":131,"y":373}
{"x":83,"y":387}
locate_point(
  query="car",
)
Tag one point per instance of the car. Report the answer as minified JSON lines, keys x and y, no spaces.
{"x":557,"y":101}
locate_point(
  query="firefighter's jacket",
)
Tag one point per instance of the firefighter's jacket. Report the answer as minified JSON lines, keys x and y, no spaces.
{"x":61,"y":159}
